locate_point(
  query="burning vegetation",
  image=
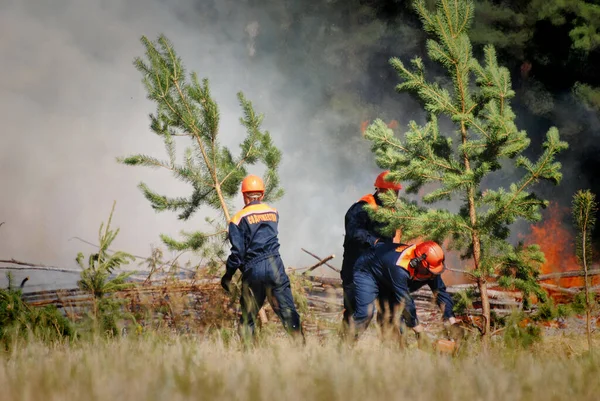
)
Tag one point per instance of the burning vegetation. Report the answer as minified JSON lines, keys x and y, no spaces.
{"x":556,"y":239}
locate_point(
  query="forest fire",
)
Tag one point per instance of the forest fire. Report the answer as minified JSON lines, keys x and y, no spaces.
{"x":557,"y":242}
{"x":555,"y":235}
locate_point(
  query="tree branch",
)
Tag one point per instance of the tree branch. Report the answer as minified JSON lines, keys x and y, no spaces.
{"x":318,"y":258}
{"x":211,"y":167}
{"x":239,"y":164}
{"x":431,"y":160}
{"x":313,"y":267}
{"x":109,"y":250}
{"x":466,"y":273}
{"x":33,"y":266}
{"x":534,"y":176}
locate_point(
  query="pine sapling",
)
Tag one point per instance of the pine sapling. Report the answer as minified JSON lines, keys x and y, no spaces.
{"x":584,"y":208}
{"x":186,"y":112}
{"x":96,"y":276}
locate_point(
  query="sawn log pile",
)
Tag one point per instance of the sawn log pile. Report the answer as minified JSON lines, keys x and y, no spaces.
{"x":205,"y":300}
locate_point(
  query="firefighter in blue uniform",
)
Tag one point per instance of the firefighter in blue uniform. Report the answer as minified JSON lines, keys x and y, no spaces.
{"x":362,"y":233}
{"x":399,"y":270}
{"x":255,"y":252}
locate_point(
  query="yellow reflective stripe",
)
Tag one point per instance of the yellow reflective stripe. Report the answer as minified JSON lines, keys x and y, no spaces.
{"x":252,"y":209}
{"x":405,"y":257}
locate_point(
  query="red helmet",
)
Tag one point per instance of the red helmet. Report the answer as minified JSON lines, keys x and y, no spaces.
{"x":434,"y":256}
{"x":252,"y":183}
{"x":381,"y":183}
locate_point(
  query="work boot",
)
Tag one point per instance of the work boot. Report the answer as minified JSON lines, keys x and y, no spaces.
{"x":297,"y":335}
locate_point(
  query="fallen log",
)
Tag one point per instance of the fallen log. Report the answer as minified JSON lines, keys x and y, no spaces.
{"x":329,"y":299}
{"x":568,"y":290}
{"x":495,"y":302}
{"x":493,"y":294}
{"x":330,"y":281}
{"x":556,"y":288}
{"x":542,"y":277}
{"x":573,"y":273}
{"x":59,"y":303}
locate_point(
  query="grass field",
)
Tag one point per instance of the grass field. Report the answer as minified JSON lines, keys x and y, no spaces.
{"x":188,"y":368}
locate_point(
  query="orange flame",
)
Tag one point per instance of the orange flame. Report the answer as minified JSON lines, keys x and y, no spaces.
{"x":365,"y":123}
{"x":363,"y":126}
{"x":557,"y":242}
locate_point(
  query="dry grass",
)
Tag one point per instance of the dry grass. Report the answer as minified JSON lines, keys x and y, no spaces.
{"x":186,"y":368}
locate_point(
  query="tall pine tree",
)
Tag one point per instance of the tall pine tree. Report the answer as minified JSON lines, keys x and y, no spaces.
{"x":453,"y":166}
{"x":186,"y":110}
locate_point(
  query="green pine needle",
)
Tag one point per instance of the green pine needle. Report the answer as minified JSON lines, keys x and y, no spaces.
{"x":457,"y":165}
{"x":185,"y":108}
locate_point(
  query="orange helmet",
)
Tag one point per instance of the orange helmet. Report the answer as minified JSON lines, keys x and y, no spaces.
{"x":252,"y":183}
{"x":381,"y":183}
{"x":433,"y":256}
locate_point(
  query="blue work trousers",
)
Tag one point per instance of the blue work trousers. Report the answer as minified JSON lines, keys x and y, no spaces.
{"x":266,"y":278}
{"x":371,"y":280}
{"x":349,"y":290}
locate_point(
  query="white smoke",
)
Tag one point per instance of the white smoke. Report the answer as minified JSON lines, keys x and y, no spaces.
{"x":71,"y":102}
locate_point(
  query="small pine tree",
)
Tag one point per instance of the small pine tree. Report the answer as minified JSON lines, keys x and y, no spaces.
{"x":584,"y":216}
{"x":96,"y":276}
{"x":186,"y":109}
{"x":20,"y":320}
{"x":99,"y":279}
{"x":476,"y":100}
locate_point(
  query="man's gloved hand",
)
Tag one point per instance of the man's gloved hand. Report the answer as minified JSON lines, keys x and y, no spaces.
{"x":226,"y":282}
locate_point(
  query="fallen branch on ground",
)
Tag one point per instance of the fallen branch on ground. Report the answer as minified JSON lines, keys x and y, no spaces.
{"x":33,"y":266}
{"x":318,"y":258}
{"x":322,"y":262}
